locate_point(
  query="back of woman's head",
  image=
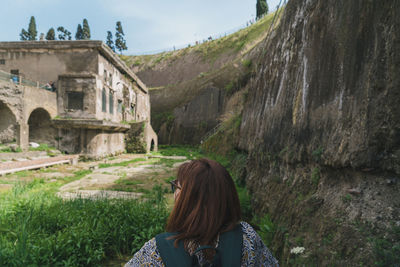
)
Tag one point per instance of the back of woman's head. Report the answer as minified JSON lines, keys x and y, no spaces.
{"x":207,"y":203}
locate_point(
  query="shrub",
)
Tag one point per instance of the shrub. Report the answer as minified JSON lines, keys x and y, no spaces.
{"x":247,"y":63}
{"x":267,"y":229}
{"x":315,"y":176}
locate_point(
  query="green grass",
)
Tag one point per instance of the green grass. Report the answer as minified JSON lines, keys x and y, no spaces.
{"x":168,"y":162}
{"x":123,"y":163}
{"x":266,"y":230}
{"x":39,"y":229}
{"x":9,"y":150}
{"x":315,"y":175}
{"x":42,"y":147}
{"x":387,"y":250}
{"x":187,"y":151}
{"x":128,"y":182}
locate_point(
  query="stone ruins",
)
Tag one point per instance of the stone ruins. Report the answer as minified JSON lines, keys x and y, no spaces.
{"x":77,"y":96}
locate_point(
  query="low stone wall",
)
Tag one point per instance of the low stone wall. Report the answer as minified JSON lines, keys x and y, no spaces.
{"x":91,"y":143}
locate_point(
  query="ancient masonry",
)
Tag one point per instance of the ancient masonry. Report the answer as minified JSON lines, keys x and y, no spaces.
{"x":91,"y":102}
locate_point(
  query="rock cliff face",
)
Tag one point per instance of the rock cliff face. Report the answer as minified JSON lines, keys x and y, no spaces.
{"x":322,"y":128}
{"x":190,"y":88}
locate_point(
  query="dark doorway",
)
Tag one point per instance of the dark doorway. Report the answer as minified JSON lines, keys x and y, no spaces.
{"x":40,"y":129}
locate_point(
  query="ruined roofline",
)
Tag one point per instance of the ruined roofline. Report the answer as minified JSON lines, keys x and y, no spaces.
{"x":110,"y":55}
{"x":103,"y":49}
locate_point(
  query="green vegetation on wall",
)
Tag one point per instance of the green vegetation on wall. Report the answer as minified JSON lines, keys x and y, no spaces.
{"x":135,"y":142}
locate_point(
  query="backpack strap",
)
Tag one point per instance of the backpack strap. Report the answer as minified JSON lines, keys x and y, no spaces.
{"x":230,"y":247}
{"x":228,"y":252}
{"x":170,"y":255}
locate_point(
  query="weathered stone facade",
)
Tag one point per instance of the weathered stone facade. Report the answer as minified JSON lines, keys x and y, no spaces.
{"x":25,"y":114}
{"x":95,"y":99}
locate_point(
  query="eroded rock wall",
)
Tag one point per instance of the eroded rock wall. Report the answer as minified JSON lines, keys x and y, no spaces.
{"x":331,"y":81}
{"x":322,"y":128}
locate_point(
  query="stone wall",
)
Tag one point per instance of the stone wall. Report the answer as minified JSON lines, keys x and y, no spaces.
{"x":322,"y":128}
{"x":84,"y":85}
{"x":45,"y":64}
{"x":188,"y":123}
{"x":88,"y":121}
{"x":141,"y":138}
{"x":10,"y":110}
{"x":91,"y":143}
{"x":17,"y":104}
{"x":330,"y":82}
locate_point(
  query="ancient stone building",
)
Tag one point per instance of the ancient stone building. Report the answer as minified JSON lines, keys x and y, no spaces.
{"x":91,"y":101}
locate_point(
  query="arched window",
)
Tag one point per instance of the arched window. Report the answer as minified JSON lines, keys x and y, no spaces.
{"x":104,"y":100}
{"x":111,"y":102}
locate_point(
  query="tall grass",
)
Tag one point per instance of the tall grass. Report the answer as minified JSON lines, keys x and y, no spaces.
{"x":39,"y":229}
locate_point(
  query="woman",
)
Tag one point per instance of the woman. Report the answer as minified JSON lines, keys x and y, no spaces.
{"x":204,"y":228}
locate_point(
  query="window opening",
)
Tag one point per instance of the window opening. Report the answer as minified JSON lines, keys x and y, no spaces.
{"x":75,"y":100}
{"x":111,"y":100}
{"x":119,"y":106}
{"x":104,"y":100}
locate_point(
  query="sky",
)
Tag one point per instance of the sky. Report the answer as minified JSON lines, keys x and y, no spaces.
{"x":149,"y":25}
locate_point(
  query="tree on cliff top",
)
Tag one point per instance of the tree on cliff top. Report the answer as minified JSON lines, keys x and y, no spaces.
{"x":110,"y":41}
{"x":79,"y":32}
{"x":64,"y":34}
{"x":120,"y":42}
{"x":262,"y":8}
{"x":31,"y":33}
{"x":85,"y":30}
{"x":51,"y":34}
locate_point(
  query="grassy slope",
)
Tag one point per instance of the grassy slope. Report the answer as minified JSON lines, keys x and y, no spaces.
{"x":177,"y":77}
{"x":226,"y":49}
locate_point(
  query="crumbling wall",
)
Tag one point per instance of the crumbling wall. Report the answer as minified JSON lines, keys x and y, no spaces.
{"x":135,"y":138}
{"x":11,"y":106}
{"x":77,"y":96}
{"x":141,"y":138}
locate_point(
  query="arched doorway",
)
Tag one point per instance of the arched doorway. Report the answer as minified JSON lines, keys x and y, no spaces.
{"x":8,"y":124}
{"x":40,"y":129}
{"x":152,"y":145}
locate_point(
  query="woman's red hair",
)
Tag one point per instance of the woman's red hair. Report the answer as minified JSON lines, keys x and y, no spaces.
{"x":207,"y":205}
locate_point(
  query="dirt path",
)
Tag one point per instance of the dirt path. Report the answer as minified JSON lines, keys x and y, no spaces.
{"x":123,"y":176}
